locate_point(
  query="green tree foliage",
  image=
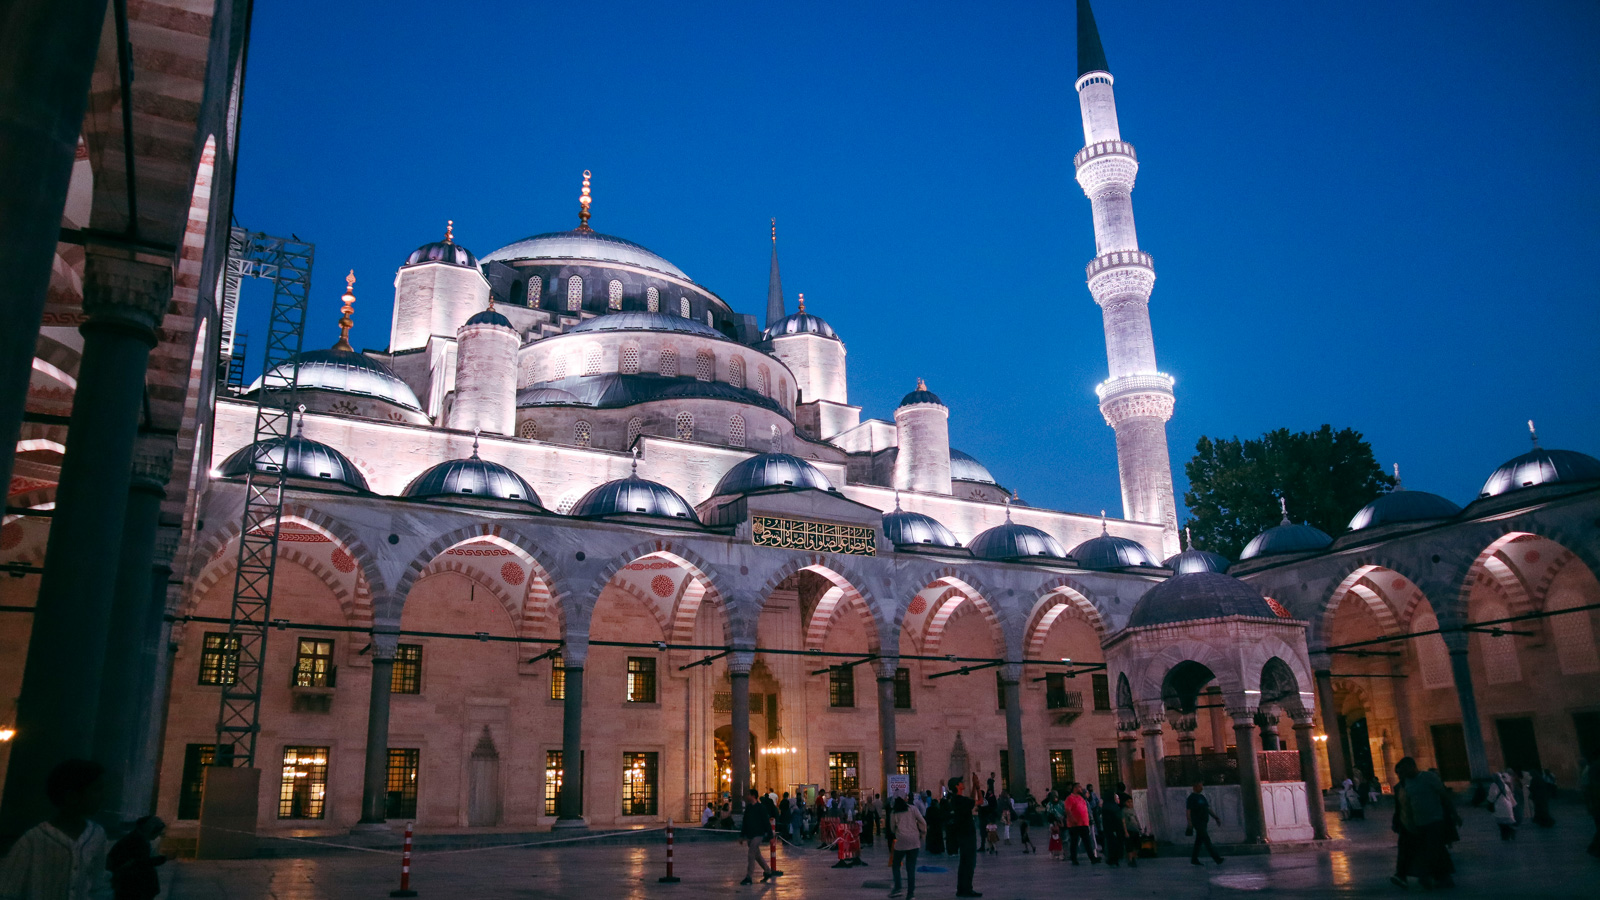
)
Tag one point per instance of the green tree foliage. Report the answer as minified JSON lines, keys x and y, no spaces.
{"x":1234,"y":485}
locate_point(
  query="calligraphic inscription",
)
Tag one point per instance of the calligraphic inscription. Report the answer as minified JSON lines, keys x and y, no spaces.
{"x":823,"y":537}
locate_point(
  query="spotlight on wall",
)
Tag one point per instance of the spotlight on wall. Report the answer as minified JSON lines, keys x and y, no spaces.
{"x":7,"y":733}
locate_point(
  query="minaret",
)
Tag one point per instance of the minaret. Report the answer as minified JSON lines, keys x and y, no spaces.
{"x":1137,"y":399}
{"x":775,"y":307}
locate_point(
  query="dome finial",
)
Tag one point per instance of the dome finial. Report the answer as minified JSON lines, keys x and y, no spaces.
{"x":634,"y":453}
{"x":583,"y":203}
{"x":1532,"y":433}
{"x":802,"y":303}
{"x":921,"y":385}
{"x":475,"y":442}
{"x":1008,"y":510}
{"x":1397,"y":477}
{"x":1103,"y":529}
{"x":345,"y":322}
{"x":449,"y":231}
{"x":1283,"y":506}
{"x":1188,"y":538}
{"x":300,"y":426}
{"x":774,"y":230}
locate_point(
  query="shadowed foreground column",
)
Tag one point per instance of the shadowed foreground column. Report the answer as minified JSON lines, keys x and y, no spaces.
{"x":375,"y":777}
{"x":1244,"y":739}
{"x":570,"y":801}
{"x":1316,"y":808}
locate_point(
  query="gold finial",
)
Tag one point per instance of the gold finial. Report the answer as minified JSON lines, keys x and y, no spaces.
{"x":1532,"y":433}
{"x":583,"y":203}
{"x":802,"y":302}
{"x":449,"y":231}
{"x":774,"y":231}
{"x":1397,"y":476}
{"x":1188,"y":536}
{"x":921,"y":385}
{"x":1283,"y":506}
{"x":345,"y":322}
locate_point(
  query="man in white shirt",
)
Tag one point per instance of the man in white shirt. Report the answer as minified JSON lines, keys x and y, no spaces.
{"x":64,"y":858}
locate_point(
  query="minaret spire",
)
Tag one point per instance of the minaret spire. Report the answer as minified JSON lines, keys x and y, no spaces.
{"x":583,"y":203}
{"x":1091,"y":56}
{"x":775,"y":307}
{"x":345,"y":322}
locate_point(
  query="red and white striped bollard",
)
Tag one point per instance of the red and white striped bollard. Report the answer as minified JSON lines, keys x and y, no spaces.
{"x":405,"y":867}
{"x":669,"y":878}
{"x":772,"y":849}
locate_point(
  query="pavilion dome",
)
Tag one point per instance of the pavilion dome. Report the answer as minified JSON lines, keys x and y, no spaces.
{"x":295,"y":457}
{"x":799,"y":323}
{"x":1015,"y":541}
{"x":633,"y":496}
{"x":1540,"y":466}
{"x":489,"y":317}
{"x":1192,"y":560}
{"x":921,"y":395}
{"x":345,"y":372}
{"x":1403,"y":506}
{"x":769,"y":470}
{"x":1199,"y":595}
{"x":471,"y":477}
{"x":1109,"y":551}
{"x":1286,"y":538}
{"x":908,"y":528}
{"x":446,"y":251}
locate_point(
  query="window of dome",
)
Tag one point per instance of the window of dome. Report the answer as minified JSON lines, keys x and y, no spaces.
{"x":528,"y":429}
{"x":736,"y":372}
{"x":535,"y":289}
{"x":558,"y":368}
{"x":574,"y":294}
{"x":669,"y":362}
{"x":614,"y":295}
{"x":777,"y":440}
{"x":630,"y":359}
{"x":635,"y":428}
{"x":736,"y":431}
{"x":703,"y":365}
{"x":761,"y":381}
{"x":683,"y":307}
{"x":591,"y":361}
{"x":685,"y":427}
{"x":652,"y":299}
{"x":580,"y":434}
{"x":710,"y":322}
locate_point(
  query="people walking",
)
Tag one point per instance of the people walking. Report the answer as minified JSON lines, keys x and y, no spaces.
{"x":132,"y":861}
{"x":1078,"y":822}
{"x":1132,"y":830}
{"x":1426,"y":810}
{"x":1201,"y":815}
{"x":1502,"y":803}
{"x":755,"y":831}
{"x":935,"y":822}
{"x":963,"y":831}
{"x":1112,"y":827}
{"x":907,"y":829}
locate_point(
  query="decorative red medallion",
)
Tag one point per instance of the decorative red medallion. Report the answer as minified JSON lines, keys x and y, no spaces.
{"x":342,"y":561}
{"x":512,"y":573}
{"x":662,"y":586}
{"x":918,"y":606}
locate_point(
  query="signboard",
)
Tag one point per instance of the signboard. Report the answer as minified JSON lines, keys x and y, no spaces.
{"x":822,"y":537}
{"x":899,"y":786}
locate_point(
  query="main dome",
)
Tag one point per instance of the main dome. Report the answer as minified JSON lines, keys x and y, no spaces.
{"x":771,"y":470}
{"x":1198,"y":595}
{"x":1540,"y":466}
{"x":306,"y":459}
{"x":471,"y":477}
{"x":348,"y":372}
{"x":903,"y":527}
{"x":639,"y":320}
{"x":634,"y":496}
{"x":585,"y":245}
{"x":1109,"y":551}
{"x":1403,"y":506}
{"x":1014,"y":541}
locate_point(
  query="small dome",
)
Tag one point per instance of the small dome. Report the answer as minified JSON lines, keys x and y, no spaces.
{"x":1191,"y":560}
{"x":307,"y":459}
{"x":637,"y":320}
{"x":902,"y":527}
{"x":1111,"y":552}
{"x":771,"y":470}
{"x":446,"y":251}
{"x":1198,"y":595}
{"x":471,"y":477}
{"x":920,"y":395}
{"x":965,"y":467}
{"x":1403,"y":506}
{"x":548,"y":396}
{"x":490,"y":317}
{"x":799,"y":323}
{"x":347,"y":372}
{"x":1013,"y":541}
{"x":1541,"y":466}
{"x":634,"y":496}
{"x":584,"y":244}
{"x":1286,"y":538}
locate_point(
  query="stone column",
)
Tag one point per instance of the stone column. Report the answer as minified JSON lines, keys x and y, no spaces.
{"x":1185,"y":725}
{"x":569,"y":804}
{"x":1155,"y":774}
{"x":1471,"y":725}
{"x":47,"y":57}
{"x":58,"y":706}
{"x":1398,"y":686}
{"x":146,"y":766}
{"x":1127,"y":746}
{"x":886,"y":723}
{"x":1268,"y":723}
{"x":375,"y":777}
{"x":1244,"y":739}
{"x":130,"y":659}
{"x":1329,"y":710}
{"x":1219,"y":720}
{"x":739,"y":663}
{"x":1316,"y":809}
{"x":1011,"y":685}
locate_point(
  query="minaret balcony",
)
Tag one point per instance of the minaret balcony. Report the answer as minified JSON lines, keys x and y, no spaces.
{"x":1107,"y":166}
{"x":1120,"y":273}
{"x":1104,"y":148}
{"x":1136,"y":397}
{"x":1152,"y":382}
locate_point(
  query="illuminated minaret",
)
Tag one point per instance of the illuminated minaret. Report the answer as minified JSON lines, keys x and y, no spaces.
{"x":1137,"y":399}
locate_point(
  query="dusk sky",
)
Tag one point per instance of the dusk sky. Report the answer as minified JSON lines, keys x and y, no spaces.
{"x":1381,"y":215}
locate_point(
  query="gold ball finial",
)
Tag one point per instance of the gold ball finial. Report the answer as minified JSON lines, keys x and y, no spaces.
{"x":802,"y":302}
{"x":921,"y":385}
{"x":774,"y":230}
{"x":449,"y":231}
{"x":348,"y":307}
{"x":583,"y":202}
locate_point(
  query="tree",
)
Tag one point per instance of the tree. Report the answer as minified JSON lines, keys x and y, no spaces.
{"x":1234,"y":485}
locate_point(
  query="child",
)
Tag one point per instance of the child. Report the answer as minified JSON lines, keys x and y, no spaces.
{"x":1005,"y":824}
{"x":992,"y":837}
{"x":1027,"y":842}
{"x":1055,"y":839}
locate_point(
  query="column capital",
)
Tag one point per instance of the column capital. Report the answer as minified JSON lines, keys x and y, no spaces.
{"x":886,"y":667}
{"x":126,"y":291}
{"x":1303,"y":721}
{"x":1011,"y":672}
{"x":1243,"y":716}
{"x":385,"y":642}
{"x":1183,"y":722}
{"x":741,"y":661}
{"x":152,"y":463}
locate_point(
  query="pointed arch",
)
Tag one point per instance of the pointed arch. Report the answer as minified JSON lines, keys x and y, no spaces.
{"x":355,"y":600}
{"x":210,"y":551}
{"x":677,"y":621}
{"x":955,"y":596}
{"x":1062,"y":595}
{"x":543,"y":600}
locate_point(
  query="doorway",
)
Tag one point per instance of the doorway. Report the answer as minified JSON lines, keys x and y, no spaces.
{"x":1360,"y":749}
{"x":1518,"y":746}
{"x":1450,"y":752}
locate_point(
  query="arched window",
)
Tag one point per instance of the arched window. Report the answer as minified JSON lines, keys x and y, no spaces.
{"x":574,"y":294}
{"x":519,"y":292}
{"x":614,"y":295}
{"x":1499,"y":653}
{"x":652,"y":299}
{"x":777,"y":440}
{"x":635,"y":428}
{"x":683,"y":307}
{"x":591,"y":360}
{"x":783,"y":393}
{"x":580,"y":434}
{"x":685,"y":427}
{"x":704,"y":365}
{"x":736,"y":431}
{"x":1574,"y":633}
{"x":558,"y":368}
{"x":535,"y":290}
{"x":736,"y":372}
{"x":761,"y":381}
{"x":710,"y":322}
{"x":1432,"y":655}
{"x":630,"y":359}
{"x":528,"y":429}
{"x":669,"y":362}
{"x":530,"y":372}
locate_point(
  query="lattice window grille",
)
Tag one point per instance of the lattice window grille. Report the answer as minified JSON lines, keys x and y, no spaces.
{"x":669,"y":362}
{"x":652,"y":299}
{"x":528,"y":429}
{"x":761,"y":381}
{"x":558,"y":368}
{"x":574,"y":294}
{"x":635,"y":428}
{"x":614,"y":295}
{"x":535,"y":290}
{"x":591,"y":361}
{"x":736,"y":431}
{"x":630,"y":359}
{"x":581,"y":434}
{"x":703,"y":365}
{"x":683,"y":307}
{"x":736,"y":372}
{"x":685,"y":427}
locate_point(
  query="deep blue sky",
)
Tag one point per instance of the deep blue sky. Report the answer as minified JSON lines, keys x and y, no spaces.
{"x":1381,"y":215}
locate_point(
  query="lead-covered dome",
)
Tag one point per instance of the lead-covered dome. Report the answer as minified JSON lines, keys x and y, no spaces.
{"x":965,"y":467}
{"x":633,"y":496}
{"x":584,"y":244}
{"x":1199,"y":595}
{"x":921,"y":395}
{"x":446,"y":251}
{"x":904,"y":528}
{"x":1191,"y":560}
{"x":768,"y":470}
{"x":1540,"y":466}
{"x":1403,"y":506}
{"x":799,"y":323}
{"x":346,"y":372}
{"x":490,"y":317}
{"x":305,"y":458}
{"x":639,"y":320}
{"x":1014,"y":541}
{"x":471,"y":477}
{"x":1109,"y":551}
{"x":1286,"y":538}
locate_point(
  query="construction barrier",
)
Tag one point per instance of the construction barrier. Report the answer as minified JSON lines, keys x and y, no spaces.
{"x":772,"y":849}
{"x":669,"y":878}
{"x":405,"y":867}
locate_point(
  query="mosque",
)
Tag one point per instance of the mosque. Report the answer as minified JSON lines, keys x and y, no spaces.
{"x":587,"y":546}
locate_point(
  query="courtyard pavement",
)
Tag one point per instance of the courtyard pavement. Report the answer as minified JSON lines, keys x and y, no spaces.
{"x":1546,"y":863}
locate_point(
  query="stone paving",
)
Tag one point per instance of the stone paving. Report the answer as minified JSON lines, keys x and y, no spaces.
{"x":1547,"y":863}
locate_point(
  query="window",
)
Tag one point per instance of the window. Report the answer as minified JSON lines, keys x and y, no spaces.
{"x":1108,"y":768}
{"x":704,"y":365}
{"x":842,"y":687}
{"x":553,"y":772}
{"x":683,"y":307}
{"x":528,"y":429}
{"x":905,"y":763}
{"x":1005,"y":770}
{"x":574,"y":294}
{"x":641,"y":679}
{"x":652,"y":299}
{"x":400,"y":800}
{"x":1056,"y":695}
{"x":558,"y":678}
{"x":196,"y":757}
{"x":614,"y":295}
{"x":639,"y":783}
{"x":305,"y":782}
{"x":761,"y":380}
{"x":219,"y":659}
{"x":1102,"y":691}
{"x":710,"y":322}
{"x":902,"y":688}
{"x":407,"y":675}
{"x":843,"y":769}
{"x":999,"y":691}
{"x":635,"y":428}
{"x":669,"y":362}
{"x":776,"y":440}
{"x":535,"y":290}
{"x":591,"y":361}
{"x":313,"y":665}
{"x":736,"y":372}
{"x":558,"y":368}
{"x":580,"y":434}
{"x":1060,"y":770}
{"x":630,"y":359}
{"x":530,"y":372}
{"x":685,"y":427}
{"x":736,"y":431}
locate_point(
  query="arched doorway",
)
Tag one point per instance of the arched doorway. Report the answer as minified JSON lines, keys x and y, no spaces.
{"x":723,"y":762}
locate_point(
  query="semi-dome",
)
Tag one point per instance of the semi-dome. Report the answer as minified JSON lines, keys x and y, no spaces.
{"x":548,"y":396}
{"x":490,"y":317}
{"x":1014,"y":541}
{"x":1109,"y":551}
{"x":471,"y":477}
{"x":346,"y":372}
{"x":965,"y":467}
{"x":308,"y":459}
{"x":1541,"y":466}
{"x":799,"y":323}
{"x":634,"y":496}
{"x":1403,"y":506}
{"x":640,"y":320}
{"x":1286,"y":538}
{"x":1198,"y":595}
{"x":1191,"y":560}
{"x":902,"y":527}
{"x":920,"y":395}
{"x":768,"y":470}
{"x":584,"y":244}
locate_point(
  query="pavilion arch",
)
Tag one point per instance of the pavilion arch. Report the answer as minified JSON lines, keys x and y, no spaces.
{"x":1060,"y":596}
{"x":1281,"y":687}
{"x":210,"y":552}
{"x":1183,"y":683}
{"x":1364,"y":585}
{"x":1149,"y":680}
{"x":542,"y":602}
{"x":849,"y":590}
{"x":704,"y":585}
